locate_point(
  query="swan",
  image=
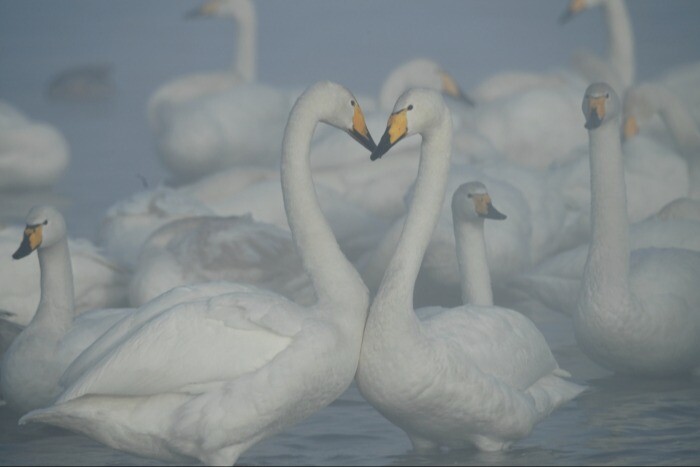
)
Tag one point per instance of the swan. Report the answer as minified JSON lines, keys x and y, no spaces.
{"x":33,"y":155}
{"x":644,"y":101}
{"x":99,"y":281}
{"x":618,"y":68}
{"x":231,"y":370}
{"x":234,"y":248}
{"x":415,"y":371}
{"x":637,"y":312}
{"x":33,"y":363}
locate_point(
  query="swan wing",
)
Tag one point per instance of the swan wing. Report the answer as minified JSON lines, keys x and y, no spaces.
{"x":193,"y":344}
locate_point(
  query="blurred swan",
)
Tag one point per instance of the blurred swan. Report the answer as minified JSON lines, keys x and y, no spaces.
{"x":474,"y":374}
{"x":637,"y":312}
{"x":641,"y":104}
{"x":254,"y":360}
{"x":33,"y":155}
{"x":618,"y":68}
{"x":99,"y":281}
{"x":82,"y":83}
{"x":235,"y":249}
{"x":684,"y":81}
{"x":33,"y":363}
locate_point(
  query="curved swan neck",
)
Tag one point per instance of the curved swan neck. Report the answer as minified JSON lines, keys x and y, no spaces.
{"x":244,"y":63}
{"x":607,"y":266}
{"x":56,"y":303}
{"x":473,"y":263}
{"x":333,"y":276}
{"x":400,"y":277}
{"x":621,"y":40}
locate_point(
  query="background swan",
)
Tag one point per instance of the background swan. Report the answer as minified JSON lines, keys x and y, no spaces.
{"x":644,"y":102}
{"x":99,"y":282}
{"x":235,"y":249}
{"x":639,"y":312}
{"x":33,"y":155}
{"x":427,"y":376}
{"x":257,"y":358}
{"x":33,"y":363}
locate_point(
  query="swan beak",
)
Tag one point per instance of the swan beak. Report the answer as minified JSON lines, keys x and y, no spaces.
{"x":596,"y":112}
{"x":396,"y":130}
{"x":450,"y":87}
{"x":484,"y":208}
{"x":359,"y":131}
{"x":30,"y":241}
{"x":575,"y":7}
{"x":630,"y":128}
{"x":205,"y":9}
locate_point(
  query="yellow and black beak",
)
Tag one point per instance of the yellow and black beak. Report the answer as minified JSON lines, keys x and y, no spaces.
{"x":396,"y":130}
{"x":205,"y":9}
{"x":630,"y":128}
{"x":452,"y":89}
{"x":30,"y":241}
{"x":596,"y":112}
{"x":575,"y":7}
{"x":484,"y":208}
{"x":359,"y":131}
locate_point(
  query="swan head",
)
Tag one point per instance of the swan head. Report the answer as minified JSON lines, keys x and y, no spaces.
{"x":577,"y":6}
{"x":600,"y":105}
{"x":639,"y":107}
{"x":45,"y":226}
{"x":338,"y":107}
{"x":471,"y":202}
{"x":416,"y":111}
{"x":420,"y":72}
{"x":241,"y":10}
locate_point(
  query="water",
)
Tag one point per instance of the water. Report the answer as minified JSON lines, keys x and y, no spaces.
{"x":617,"y":421}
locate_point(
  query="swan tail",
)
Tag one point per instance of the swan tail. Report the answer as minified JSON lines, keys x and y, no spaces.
{"x":553,"y":391}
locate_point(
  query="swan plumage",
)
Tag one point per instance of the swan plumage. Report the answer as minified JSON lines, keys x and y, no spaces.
{"x":34,"y":362}
{"x":33,"y":154}
{"x":208,"y":248}
{"x":474,"y":374}
{"x":637,"y":312}
{"x":229,"y":370}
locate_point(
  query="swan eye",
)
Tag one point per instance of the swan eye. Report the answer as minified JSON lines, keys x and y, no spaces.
{"x":607,"y":95}
{"x":410,"y":107}
{"x":46,"y":222}
{"x":352,"y":103}
{"x":469,"y":195}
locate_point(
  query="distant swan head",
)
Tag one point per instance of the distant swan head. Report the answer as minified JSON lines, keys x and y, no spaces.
{"x":639,"y":107}
{"x":471,"y":202}
{"x":600,"y":105}
{"x":577,"y":6}
{"x":415,"y":111}
{"x":240,"y":10}
{"x":45,"y":226}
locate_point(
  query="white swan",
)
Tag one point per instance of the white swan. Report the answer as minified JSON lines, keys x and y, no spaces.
{"x":33,"y":363}
{"x":99,"y":282}
{"x":641,"y":104}
{"x":33,"y":155}
{"x":638,"y":312}
{"x":619,"y":66}
{"x":469,"y":375}
{"x":209,"y":248}
{"x":226,"y":372}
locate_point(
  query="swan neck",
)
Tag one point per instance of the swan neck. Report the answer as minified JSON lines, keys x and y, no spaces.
{"x":621,"y":40}
{"x":473,"y":263}
{"x":332,"y":275}
{"x":399,"y":279}
{"x":244,"y":63}
{"x":607,"y":266}
{"x":56,"y":303}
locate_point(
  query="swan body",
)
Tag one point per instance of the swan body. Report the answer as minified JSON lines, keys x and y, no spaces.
{"x":234,"y":368}
{"x":234,"y":249}
{"x":33,"y":155}
{"x":471,"y":375}
{"x":637,"y":312}
{"x":34,"y":362}
{"x":99,"y":281}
